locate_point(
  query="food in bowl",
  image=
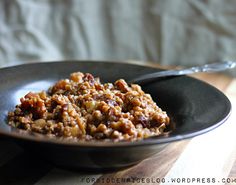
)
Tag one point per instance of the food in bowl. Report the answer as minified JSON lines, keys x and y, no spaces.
{"x":83,"y":108}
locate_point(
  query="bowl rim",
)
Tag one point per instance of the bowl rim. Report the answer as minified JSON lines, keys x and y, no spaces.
{"x":163,"y":139}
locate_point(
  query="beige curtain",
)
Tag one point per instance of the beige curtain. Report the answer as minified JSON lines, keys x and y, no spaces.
{"x":170,"y":32}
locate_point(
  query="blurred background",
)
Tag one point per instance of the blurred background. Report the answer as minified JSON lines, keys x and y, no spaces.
{"x":170,"y":32}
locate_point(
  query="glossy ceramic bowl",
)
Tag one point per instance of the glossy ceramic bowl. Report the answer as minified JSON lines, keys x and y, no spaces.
{"x":194,"y":107}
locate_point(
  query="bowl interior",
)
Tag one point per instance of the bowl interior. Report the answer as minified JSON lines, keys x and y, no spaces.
{"x":194,"y":106}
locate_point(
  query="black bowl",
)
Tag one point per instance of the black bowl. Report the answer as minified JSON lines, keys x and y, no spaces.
{"x":194,"y":107}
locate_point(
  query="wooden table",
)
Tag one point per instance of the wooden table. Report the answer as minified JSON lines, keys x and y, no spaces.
{"x":206,"y":159}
